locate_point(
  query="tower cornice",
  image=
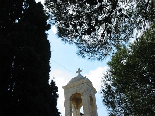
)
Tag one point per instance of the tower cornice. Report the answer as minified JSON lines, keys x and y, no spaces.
{"x":77,"y":83}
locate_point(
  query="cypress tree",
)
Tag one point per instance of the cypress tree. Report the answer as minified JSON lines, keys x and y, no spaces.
{"x":25,"y":54}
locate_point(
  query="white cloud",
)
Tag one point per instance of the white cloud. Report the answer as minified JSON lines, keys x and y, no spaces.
{"x":54,"y":29}
{"x":131,"y":40}
{"x":95,"y":76}
{"x":63,"y":77}
{"x":42,"y":1}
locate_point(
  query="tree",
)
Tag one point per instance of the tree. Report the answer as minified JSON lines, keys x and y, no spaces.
{"x":96,"y":27}
{"x":129,"y":85}
{"x":54,"y":90}
{"x":24,"y":58}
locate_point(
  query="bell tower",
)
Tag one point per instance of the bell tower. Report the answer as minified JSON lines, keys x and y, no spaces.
{"x":80,"y":92}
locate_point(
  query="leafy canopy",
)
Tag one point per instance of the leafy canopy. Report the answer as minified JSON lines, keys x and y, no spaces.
{"x":97,"y":26}
{"x":129,"y":85}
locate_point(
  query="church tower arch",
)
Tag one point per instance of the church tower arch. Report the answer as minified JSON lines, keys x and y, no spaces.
{"x":80,"y":92}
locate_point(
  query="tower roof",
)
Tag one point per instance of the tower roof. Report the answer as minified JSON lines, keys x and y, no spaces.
{"x":76,"y":79}
{"x":79,"y":80}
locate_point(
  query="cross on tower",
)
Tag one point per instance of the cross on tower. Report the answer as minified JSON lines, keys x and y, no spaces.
{"x":78,"y":71}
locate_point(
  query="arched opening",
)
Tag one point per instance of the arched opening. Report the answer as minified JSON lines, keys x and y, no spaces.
{"x":76,"y":104}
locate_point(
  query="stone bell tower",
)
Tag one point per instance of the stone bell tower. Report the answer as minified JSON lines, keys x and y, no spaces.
{"x":80,"y":92}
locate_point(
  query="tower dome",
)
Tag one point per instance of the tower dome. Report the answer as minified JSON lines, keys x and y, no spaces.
{"x":76,"y":79}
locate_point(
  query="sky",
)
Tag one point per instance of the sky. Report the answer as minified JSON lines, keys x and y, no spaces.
{"x":65,"y":62}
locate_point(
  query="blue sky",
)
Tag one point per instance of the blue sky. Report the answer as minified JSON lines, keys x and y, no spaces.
{"x":65,"y":62}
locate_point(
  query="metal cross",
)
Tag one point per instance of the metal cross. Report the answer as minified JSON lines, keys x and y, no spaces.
{"x":79,"y":71}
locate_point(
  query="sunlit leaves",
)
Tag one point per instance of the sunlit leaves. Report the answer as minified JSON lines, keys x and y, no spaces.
{"x":97,"y":26}
{"x":131,"y":78}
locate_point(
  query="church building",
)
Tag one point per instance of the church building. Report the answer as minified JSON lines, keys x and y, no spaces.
{"x":79,"y":92}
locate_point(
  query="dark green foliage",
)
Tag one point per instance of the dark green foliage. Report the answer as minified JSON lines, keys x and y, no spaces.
{"x":24,"y":60}
{"x":129,"y":85}
{"x":97,"y":26}
{"x":53,"y":101}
